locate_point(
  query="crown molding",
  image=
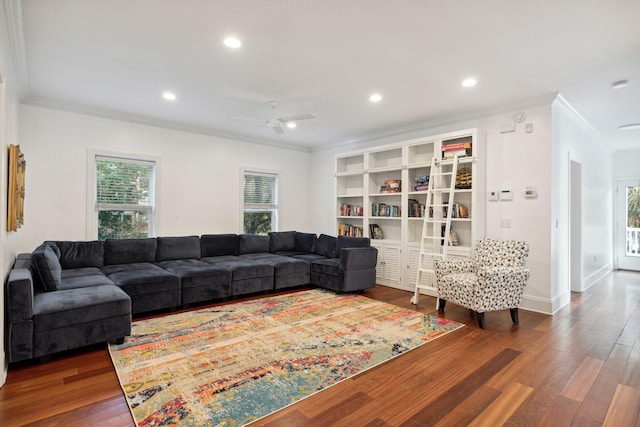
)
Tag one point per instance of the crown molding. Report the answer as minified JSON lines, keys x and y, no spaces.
{"x":563,"y":105}
{"x":13,"y":14}
{"x":150,"y":121}
{"x":427,"y":125}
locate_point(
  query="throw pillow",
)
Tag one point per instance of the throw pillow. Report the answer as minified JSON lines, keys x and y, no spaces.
{"x":46,"y":268}
{"x":305,"y":241}
{"x":282,"y":241}
{"x":325,"y":246}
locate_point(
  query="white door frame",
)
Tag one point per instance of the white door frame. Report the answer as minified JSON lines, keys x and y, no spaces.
{"x":622,"y":261}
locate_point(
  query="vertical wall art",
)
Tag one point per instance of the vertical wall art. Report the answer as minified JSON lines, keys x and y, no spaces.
{"x":15,"y":193}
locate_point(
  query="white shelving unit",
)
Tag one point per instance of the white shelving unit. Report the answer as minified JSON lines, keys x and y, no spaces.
{"x":359,"y":178}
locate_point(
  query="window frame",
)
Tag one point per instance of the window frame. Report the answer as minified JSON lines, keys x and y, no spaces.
{"x":275,"y":209}
{"x":92,"y":211}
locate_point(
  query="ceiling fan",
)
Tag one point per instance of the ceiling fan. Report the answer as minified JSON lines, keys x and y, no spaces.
{"x":278,"y":123}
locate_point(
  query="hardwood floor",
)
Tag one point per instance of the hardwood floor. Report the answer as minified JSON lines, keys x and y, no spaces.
{"x":580,"y":367}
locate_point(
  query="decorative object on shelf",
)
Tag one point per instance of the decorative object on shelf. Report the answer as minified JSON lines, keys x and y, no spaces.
{"x":15,"y":193}
{"x":375,"y":231}
{"x":463,"y":179}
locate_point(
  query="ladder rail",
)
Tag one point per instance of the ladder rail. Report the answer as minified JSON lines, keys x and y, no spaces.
{"x":434,"y":217}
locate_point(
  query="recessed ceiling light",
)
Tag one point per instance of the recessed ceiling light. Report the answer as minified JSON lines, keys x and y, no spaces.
{"x":232,"y":42}
{"x":376,"y":97}
{"x":630,"y":126}
{"x":169,"y":96}
{"x":469,"y":82}
{"x":619,"y":84}
{"x":291,"y":125}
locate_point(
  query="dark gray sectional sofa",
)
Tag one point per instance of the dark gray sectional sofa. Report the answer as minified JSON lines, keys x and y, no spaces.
{"x":68,"y":294}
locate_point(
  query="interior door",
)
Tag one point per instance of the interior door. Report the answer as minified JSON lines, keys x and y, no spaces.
{"x":628,"y":225}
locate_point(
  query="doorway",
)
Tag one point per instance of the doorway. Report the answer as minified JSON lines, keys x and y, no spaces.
{"x":628,"y":225}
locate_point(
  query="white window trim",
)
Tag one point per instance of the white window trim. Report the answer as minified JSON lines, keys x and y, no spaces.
{"x":243,"y":171}
{"x":92,"y":214}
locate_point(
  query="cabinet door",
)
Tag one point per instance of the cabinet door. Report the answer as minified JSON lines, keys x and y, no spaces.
{"x":426,"y":279}
{"x":388,"y":266}
{"x":391,"y":270}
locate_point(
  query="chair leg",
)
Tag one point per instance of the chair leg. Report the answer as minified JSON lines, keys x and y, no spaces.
{"x":480,"y":319}
{"x":514,"y":315}
{"x":441,"y":304}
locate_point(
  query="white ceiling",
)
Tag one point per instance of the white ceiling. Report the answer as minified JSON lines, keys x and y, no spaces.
{"x":326,"y":57}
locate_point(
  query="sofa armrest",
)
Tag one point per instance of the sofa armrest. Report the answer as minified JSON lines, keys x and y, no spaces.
{"x":358,"y":258}
{"x":501,"y":287}
{"x":19,"y":295}
{"x":453,"y":266}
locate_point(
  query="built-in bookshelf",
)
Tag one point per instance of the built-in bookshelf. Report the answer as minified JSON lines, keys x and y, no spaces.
{"x":381,"y":193}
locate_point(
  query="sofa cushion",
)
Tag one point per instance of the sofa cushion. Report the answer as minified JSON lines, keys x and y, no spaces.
{"x":252,"y":243}
{"x":170,"y":248}
{"x":212,"y":245}
{"x":351,"y":242}
{"x":81,"y":254}
{"x":129,"y":251}
{"x":46,"y":268}
{"x":242,"y":268}
{"x":60,"y":309}
{"x":142,"y":278}
{"x":327,"y":266}
{"x":304,"y":242}
{"x":325,"y":246}
{"x":195,"y":273}
{"x":282,"y":241}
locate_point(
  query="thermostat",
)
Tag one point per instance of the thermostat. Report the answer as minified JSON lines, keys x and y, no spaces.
{"x":506,"y":195}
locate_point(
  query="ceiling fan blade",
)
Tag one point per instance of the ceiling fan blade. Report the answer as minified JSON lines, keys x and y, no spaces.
{"x":245,"y":118}
{"x":298,"y":117}
{"x":278,"y":129}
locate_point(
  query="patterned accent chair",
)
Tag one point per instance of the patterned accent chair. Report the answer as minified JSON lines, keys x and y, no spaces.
{"x":493,"y":279}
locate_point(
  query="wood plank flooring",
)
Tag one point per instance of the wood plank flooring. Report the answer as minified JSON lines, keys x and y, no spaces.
{"x":580,"y":367}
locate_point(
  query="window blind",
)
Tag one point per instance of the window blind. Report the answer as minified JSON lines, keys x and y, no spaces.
{"x":260,"y":190}
{"x":124,"y":183}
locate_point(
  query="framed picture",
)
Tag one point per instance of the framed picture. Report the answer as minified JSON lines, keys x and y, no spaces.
{"x":375,"y":231}
{"x":15,"y":193}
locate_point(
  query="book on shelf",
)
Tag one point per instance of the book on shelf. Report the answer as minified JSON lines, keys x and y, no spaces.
{"x":391,"y":186}
{"x":350,"y":230}
{"x":459,"y":211}
{"x":383,"y":209}
{"x":422,"y":183}
{"x":416,"y":209}
{"x":350,"y":210}
{"x":375,"y":232}
{"x":462,"y":149}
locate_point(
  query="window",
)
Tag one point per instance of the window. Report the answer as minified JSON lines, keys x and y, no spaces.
{"x":124,"y":201}
{"x":260,"y":210}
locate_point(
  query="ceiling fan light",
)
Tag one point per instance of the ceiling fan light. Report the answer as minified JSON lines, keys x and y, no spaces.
{"x":169,"y":96}
{"x":630,"y":126}
{"x":376,"y":97}
{"x":291,"y":125}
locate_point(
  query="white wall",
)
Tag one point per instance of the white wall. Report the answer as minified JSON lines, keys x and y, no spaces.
{"x":575,"y":140}
{"x":514,"y":161}
{"x":198,"y":175}
{"x":9,"y":95}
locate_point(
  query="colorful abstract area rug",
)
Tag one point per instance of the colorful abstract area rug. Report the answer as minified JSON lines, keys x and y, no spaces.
{"x":232,"y":364}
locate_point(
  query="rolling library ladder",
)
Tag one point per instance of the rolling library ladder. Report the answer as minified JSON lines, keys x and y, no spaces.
{"x":435,"y":240}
